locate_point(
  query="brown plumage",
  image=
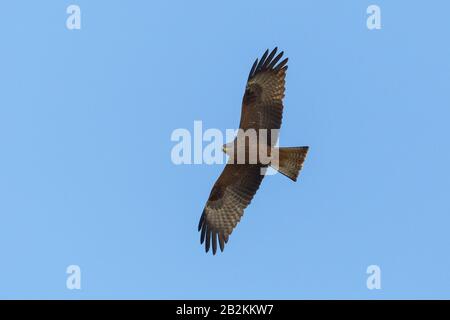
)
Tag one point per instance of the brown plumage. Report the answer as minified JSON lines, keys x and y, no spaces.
{"x":262,"y":108}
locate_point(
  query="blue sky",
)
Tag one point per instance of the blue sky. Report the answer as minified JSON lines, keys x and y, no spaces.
{"x":86,"y":176}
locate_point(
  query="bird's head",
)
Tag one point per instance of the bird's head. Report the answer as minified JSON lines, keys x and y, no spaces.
{"x":227,"y":148}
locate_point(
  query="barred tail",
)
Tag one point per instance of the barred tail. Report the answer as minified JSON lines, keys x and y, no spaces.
{"x":291,"y":161}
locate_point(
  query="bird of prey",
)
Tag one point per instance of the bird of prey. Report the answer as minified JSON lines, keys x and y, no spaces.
{"x":262,"y":108}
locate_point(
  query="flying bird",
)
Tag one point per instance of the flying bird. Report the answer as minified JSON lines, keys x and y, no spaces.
{"x":262,"y":108}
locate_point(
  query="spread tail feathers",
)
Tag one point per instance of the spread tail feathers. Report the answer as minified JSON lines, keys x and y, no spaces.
{"x":291,"y":161}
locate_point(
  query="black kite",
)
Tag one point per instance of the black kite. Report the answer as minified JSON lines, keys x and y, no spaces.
{"x":262,"y":108}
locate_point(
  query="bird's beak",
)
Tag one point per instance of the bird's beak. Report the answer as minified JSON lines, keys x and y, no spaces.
{"x":224,"y":149}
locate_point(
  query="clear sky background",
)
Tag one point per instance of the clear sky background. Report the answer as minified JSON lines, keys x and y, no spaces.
{"x":86,"y":176}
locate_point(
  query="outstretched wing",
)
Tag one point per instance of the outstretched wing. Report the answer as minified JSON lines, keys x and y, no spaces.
{"x":230,"y":195}
{"x":262,"y":105}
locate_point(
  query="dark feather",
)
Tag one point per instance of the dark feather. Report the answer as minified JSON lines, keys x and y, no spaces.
{"x":202,"y":235}
{"x":274,"y":61}
{"x":281,"y":64}
{"x":221,"y":242}
{"x":269,"y":58}
{"x":208,"y":240}
{"x":200,"y":223}
{"x":261,"y":62}
{"x":253,"y":69}
{"x":214,"y":241}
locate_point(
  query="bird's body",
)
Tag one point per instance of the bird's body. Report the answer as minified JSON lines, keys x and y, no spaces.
{"x":251,"y":152}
